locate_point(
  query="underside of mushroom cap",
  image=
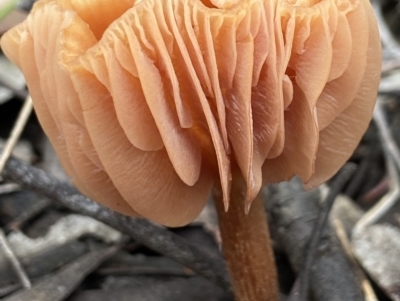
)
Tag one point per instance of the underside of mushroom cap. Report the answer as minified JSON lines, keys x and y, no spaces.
{"x":152,"y":104}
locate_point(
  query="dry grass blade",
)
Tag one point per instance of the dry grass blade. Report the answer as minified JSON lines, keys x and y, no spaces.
{"x":9,"y":187}
{"x":16,"y":131}
{"x":14,"y":261}
{"x":300,"y":290}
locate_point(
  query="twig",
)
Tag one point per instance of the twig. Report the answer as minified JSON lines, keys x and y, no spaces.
{"x":151,"y":235}
{"x":20,"y":93}
{"x":392,"y":155}
{"x":361,"y":173}
{"x":386,"y":137}
{"x":294,"y":212}
{"x":16,"y":131}
{"x":319,"y":227}
{"x":390,"y":65}
{"x":145,"y":270}
{"x":388,"y":41}
{"x":344,"y":240}
{"x":385,"y":203}
{"x":8,"y":188}
{"x":14,"y":261}
{"x":390,"y":45}
{"x":376,"y":191}
{"x":27,"y":214}
{"x":397,"y":217}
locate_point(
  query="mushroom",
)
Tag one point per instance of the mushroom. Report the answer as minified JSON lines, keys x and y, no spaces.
{"x":154,"y":105}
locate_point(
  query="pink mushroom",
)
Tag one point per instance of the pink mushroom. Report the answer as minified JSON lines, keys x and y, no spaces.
{"x":151,"y":104}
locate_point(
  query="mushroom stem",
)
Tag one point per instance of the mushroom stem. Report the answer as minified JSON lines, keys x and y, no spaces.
{"x":247,"y":246}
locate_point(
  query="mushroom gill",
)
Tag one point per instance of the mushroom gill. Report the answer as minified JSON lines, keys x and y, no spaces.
{"x":150,"y":104}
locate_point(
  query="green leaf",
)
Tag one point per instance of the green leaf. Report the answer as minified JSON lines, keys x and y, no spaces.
{"x":6,"y":6}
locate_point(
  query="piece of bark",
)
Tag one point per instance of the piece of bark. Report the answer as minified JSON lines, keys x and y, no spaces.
{"x":377,"y":248}
{"x":293,"y":212}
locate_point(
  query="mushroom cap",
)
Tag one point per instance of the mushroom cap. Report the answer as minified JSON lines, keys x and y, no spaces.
{"x":150,"y":104}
